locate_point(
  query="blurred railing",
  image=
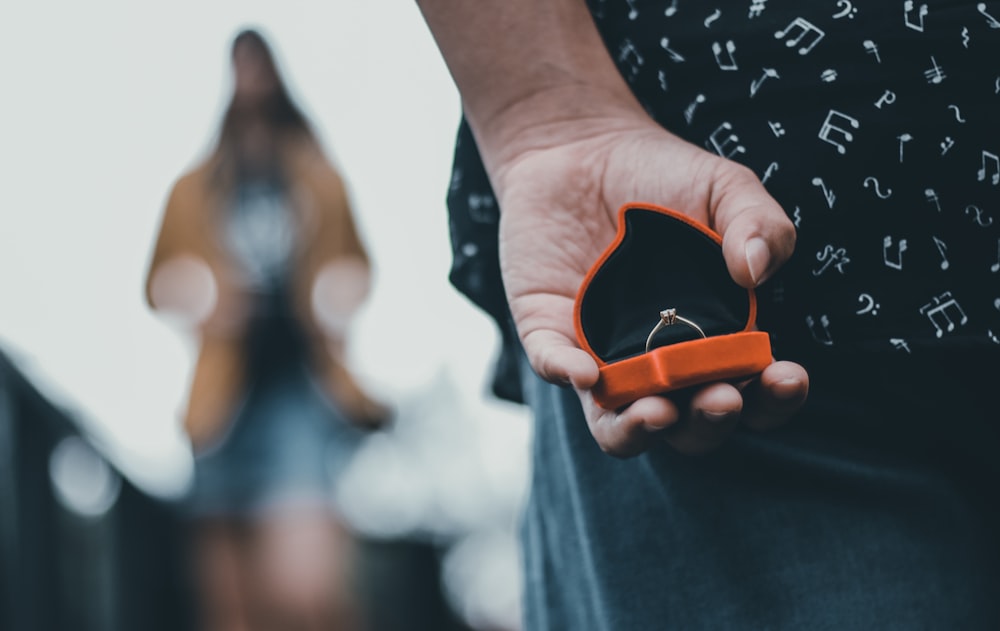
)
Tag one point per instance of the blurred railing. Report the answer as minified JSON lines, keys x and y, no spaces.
{"x":80,"y":546}
{"x":83,"y":548}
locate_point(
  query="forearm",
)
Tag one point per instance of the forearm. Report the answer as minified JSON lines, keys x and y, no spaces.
{"x":525,"y":66}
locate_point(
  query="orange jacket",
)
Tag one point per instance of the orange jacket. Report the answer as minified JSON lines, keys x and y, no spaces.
{"x":189,"y":228}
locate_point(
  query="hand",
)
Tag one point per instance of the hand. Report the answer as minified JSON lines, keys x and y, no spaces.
{"x":559,"y":193}
{"x":186,"y":290}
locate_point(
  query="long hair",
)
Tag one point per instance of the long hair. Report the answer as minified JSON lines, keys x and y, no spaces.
{"x":277,"y":110}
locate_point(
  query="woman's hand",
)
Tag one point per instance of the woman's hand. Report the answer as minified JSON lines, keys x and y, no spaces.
{"x":186,"y":290}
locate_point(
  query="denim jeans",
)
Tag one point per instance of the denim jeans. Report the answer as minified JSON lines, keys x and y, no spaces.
{"x":875,"y":509}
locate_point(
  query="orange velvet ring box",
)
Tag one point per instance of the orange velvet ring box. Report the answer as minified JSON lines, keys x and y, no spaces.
{"x":662,"y":260}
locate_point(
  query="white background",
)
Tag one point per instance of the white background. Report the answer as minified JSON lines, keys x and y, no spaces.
{"x":106,"y":102}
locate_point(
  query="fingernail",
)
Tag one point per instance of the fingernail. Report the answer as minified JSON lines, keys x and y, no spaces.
{"x":787,"y":389}
{"x":716,"y":417}
{"x":658,"y":425}
{"x":758,"y":259}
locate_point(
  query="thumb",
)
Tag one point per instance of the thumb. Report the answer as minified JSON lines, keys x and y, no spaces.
{"x":757,"y":235}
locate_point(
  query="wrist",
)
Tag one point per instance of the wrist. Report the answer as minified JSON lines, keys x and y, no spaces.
{"x":552,"y":116}
{"x":530,"y":72}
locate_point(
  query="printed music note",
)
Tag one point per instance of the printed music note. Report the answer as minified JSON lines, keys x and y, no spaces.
{"x":689,"y":110}
{"x":712,"y":18}
{"x":769,"y":73}
{"x":730,"y":49}
{"x":804,"y":27}
{"x":938,"y":308}
{"x":872,"y":49}
{"x":482,"y":208}
{"x":907,"y":9}
{"x":965,"y":37}
{"x":629,"y":54}
{"x":828,"y":195}
{"x":828,"y":76}
{"x":976,"y":210}
{"x":671,"y":10}
{"x":828,"y":128}
{"x":947,"y":144}
{"x":991,"y":21}
{"x":771,"y":169}
{"x":776,"y":129}
{"x":958,"y":113}
{"x":797,"y":217}
{"x":992,"y":159}
{"x":933,"y":198}
{"x":823,"y":338}
{"x":831,"y":257}
{"x":874,"y":181}
{"x":899,"y":343}
{"x":756,"y":8}
{"x":674,"y":55}
{"x":633,"y":13}
{"x":900,"y":248}
{"x":870,"y":306}
{"x":996,"y":266}
{"x":934,"y":75}
{"x":662,"y":76}
{"x":847,"y":11}
{"x":942,"y":248}
{"x":888,"y":98}
{"x":722,"y":147}
{"x":905,"y":138}
{"x":993,"y":338}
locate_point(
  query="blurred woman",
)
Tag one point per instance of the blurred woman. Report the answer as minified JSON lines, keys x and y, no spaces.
{"x":258,"y":251}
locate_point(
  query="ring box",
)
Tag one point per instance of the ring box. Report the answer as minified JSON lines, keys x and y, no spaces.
{"x":662,"y":259}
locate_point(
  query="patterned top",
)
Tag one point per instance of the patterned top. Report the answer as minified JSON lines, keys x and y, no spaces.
{"x":260,"y":233}
{"x":876,"y":125}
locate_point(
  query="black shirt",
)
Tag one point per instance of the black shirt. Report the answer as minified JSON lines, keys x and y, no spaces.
{"x":874,"y":124}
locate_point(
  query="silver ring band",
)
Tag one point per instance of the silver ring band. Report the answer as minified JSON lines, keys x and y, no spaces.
{"x":669,"y":317}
